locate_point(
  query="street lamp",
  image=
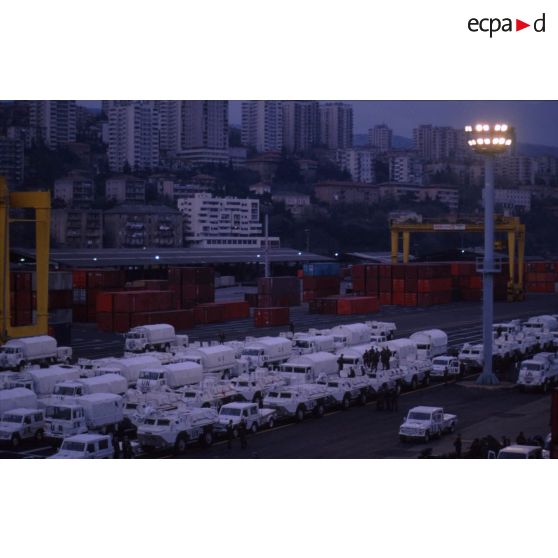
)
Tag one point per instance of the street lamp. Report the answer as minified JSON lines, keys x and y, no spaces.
{"x":488,"y":140}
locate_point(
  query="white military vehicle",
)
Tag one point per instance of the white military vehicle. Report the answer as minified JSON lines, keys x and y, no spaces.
{"x":170,"y":376}
{"x":138,"y":405}
{"x":45,"y":379}
{"x":42,"y":349}
{"x":266,"y":351}
{"x":176,"y":429}
{"x":304,"y":343}
{"x":378,"y":339}
{"x":297,"y":401}
{"x":107,"y":383}
{"x":430,"y":343}
{"x":308,"y":368}
{"x":129,"y":367}
{"x":386,"y":329}
{"x":517,"y":451}
{"x":253,"y":417}
{"x":352,"y":358}
{"x":472,"y":356}
{"x":402,"y":350}
{"x":22,"y":424}
{"x":537,"y":324}
{"x":85,"y":446}
{"x":98,"y":411}
{"x":415,"y":372}
{"x":218,"y":360}
{"x":253,"y":386}
{"x":155,"y":337}
{"x":209,"y":393}
{"x":384,"y":380}
{"x":445,"y":367}
{"x":17,"y":398}
{"x":344,"y":391}
{"x":512,"y":327}
{"x":426,"y":422}
{"x":539,"y":372}
{"x":350,"y":334}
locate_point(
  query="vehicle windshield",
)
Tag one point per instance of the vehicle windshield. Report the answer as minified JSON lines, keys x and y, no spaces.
{"x":350,"y":360}
{"x":134,"y":335}
{"x":333,"y":384}
{"x":68,"y":445}
{"x":147,"y":375}
{"x":190,"y":394}
{"x":339,"y":339}
{"x":440,"y":361}
{"x":131,"y":406}
{"x":8,"y":350}
{"x":163,"y":422}
{"x":252,"y":352}
{"x":418,"y":416}
{"x":423,"y":347}
{"x":285,"y":395}
{"x":302,"y":344}
{"x":12,"y":418}
{"x":535,"y":366}
{"x":230,"y":412}
{"x":534,"y":326}
{"x":296,"y":369}
{"x":242,"y":384}
{"x":65,"y":390}
{"x":511,"y":455}
{"x":59,"y":413}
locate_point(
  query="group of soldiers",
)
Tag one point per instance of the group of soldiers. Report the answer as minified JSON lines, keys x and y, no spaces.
{"x":371,"y":358}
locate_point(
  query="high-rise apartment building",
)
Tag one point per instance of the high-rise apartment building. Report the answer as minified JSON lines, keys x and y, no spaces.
{"x":262,"y":125}
{"x":12,"y":161}
{"x":380,"y":138}
{"x":301,"y":125}
{"x":360,"y":163}
{"x":439,"y":143}
{"x":133,"y":137}
{"x":336,"y":125}
{"x":406,"y":169}
{"x":55,"y":121}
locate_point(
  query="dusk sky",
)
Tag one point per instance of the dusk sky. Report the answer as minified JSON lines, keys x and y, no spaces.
{"x":535,"y":121}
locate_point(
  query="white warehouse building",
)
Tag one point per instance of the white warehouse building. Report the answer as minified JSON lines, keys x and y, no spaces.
{"x":222,"y":222}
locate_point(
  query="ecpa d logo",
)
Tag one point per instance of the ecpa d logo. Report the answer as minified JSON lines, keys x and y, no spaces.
{"x":494,"y":25}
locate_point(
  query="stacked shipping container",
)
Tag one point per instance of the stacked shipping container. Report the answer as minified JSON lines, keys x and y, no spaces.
{"x":192,"y":285}
{"x":265,"y":317}
{"x":542,"y":277}
{"x":278,"y":291}
{"x":344,"y":305}
{"x":87,"y":284}
{"x":320,"y":280}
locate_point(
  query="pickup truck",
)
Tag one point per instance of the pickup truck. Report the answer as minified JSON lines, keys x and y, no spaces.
{"x":425,"y":422}
{"x":344,"y":391}
{"x":444,"y":367}
{"x":254,"y":417}
{"x":177,"y":429}
{"x":298,"y":400}
{"x":516,"y":451}
{"x":22,"y":424}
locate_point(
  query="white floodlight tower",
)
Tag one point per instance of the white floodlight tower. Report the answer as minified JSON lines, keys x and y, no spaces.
{"x":488,"y":140}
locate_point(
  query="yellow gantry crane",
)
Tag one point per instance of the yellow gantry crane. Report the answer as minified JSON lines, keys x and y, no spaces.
{"x":511,"y":226}
{"x":40,"y":202}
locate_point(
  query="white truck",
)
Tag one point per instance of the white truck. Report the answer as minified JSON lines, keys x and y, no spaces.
{"x":212,"y":394}
{"x":17,"y":398}
{"x":352,"y":358}
{"x":445,"y":367}
{"x":297,"y":401}
{"x":155,"y":337}
{"x":426,"y":422}
{"x":22,"y":424}
{"x":138,"y":405}
{"x":350,"y":334}
{"x":45,"y":379}
{"x":386,"y":329}
{"x":471,"y":355}
{"x":42,"y":349}
{"x":344,"y":391}
{"x":129,"y":367}
{"x":217,"y":360}
{"x":539,"y":372}
{"x":304,"y":344}
{"x":430,"y":343}
{"x":170,"y":376}
{"x":98,"y":411}
{"x":402,"y":350}
{"x":308,"y":368}
{"x":85,"y":446}
{"x":177,"y":429}
{"x":537,"y":324}
{"x":107,"y":383}
{"x":512,"y":327}
{"x":266,"y":351}
{"x":254,"y":417}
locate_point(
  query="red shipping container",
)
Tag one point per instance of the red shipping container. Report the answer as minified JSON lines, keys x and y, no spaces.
{"x":410,"y":299}
{"x":264,"y":317}
{"x":398,"y":271}
{"x":23,"y":301}
{"x":411,"y":284}
{"x":411,"y":272}
{"x":105,"y":302}
{"x":235,"y":309}
{"x":385,"y":298}
{"x":265,"y":301}
{"x":121,"y":322}
{"x":398,"y":298}
{"x":104,"y":321}
{"x":208,"y":313}
{"x":357,"y":305}
{"x":398,"y":285}
{"x":384,"y":285}
{"x":79,"y":313}
{"x":58,"y":300}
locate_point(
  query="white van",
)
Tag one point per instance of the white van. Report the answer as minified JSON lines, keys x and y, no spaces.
{"x":85,"y":446}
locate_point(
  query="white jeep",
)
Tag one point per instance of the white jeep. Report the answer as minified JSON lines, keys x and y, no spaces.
{"x":425,"y":422}
{"x":22,"y":424}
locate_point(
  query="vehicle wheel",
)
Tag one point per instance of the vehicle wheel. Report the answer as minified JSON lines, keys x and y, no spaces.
{"x":414,"y":383}
{"x":545,"y":386}
{"x":271,"y":423}
{"x":346,"y":403}
{"x":299,"y":415}
{"x":320,"y":410}
{"x":39,"y":435}
{"x":452,"y":427}
{"x":426,"y":437}
{"x":15,"y":441}
{"x":254,"y":427}
{"x":362,"y":398}
{"x":402,"y":439}
{"x":207,"y":438}
{"x":522,"y":389}
{"x":181,"y":443}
